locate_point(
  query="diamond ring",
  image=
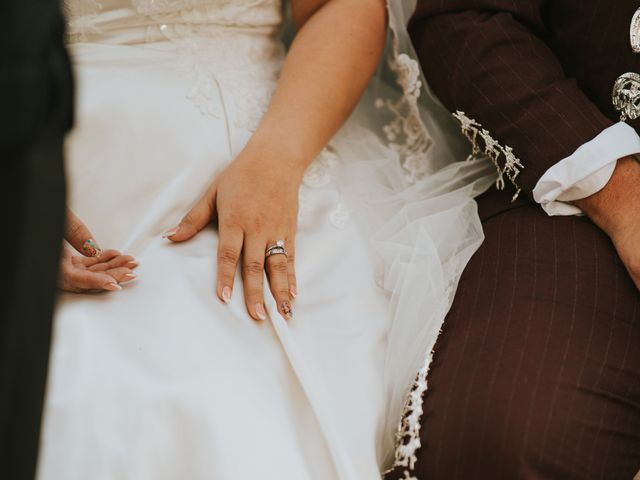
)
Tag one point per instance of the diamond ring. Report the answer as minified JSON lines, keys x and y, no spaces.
{"x":277,"y":248}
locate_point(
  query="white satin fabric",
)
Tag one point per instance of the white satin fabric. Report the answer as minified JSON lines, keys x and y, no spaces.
{"x":162,"y":381}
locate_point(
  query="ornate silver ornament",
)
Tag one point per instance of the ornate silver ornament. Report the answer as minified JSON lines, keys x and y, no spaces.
{"x":635,"y":32}
{"x":626,"y":96}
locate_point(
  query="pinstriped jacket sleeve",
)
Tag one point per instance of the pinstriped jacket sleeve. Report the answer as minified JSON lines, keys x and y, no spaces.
{"x":489,"y":59}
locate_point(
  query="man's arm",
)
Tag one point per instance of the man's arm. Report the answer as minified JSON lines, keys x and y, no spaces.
{"x":488,"y":58}
{"x":616,"y":210}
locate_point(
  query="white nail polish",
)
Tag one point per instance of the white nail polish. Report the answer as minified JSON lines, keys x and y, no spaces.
{"x":262,"y":315}
{"x":170,"y":233}
{"x":226,"y":294}
{"x":113,"y":287}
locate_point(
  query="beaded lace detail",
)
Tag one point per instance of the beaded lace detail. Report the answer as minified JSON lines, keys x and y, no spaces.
{"x":228,"y":48}
{"x":220,"y":79}
{"x":408,"y":136}
{"x":319,"y":175}
{"x":408,"y":434}
{"x":483,"y":144}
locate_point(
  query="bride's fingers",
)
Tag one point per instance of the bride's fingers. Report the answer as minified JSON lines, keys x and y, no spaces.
{"x":278,"y":271}
{"x":253,"y":277}
{"x":291,"y":271}
{"x":91,"y":261}
{"x":229,"y":250}
{"x":118,"y":261}
{"x":75,"y":279}
{"x":79,"y":236}
{"x":198,"y":217}
{"x":121,"y":274}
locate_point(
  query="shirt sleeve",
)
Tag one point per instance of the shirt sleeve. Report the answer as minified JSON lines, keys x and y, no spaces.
{"x":586,"y":171}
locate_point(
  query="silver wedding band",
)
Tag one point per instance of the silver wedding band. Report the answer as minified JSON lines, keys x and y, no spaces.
{"x":276,"y":249}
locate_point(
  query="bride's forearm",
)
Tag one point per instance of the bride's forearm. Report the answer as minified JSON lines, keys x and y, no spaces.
{"x":255,"y":198}
{"x":328,"y":67}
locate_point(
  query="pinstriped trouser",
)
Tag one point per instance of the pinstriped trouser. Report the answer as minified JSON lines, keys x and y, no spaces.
{"x":537,"y":372}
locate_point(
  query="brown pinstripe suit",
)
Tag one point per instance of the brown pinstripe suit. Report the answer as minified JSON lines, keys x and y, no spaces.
{"x":537,"y":372}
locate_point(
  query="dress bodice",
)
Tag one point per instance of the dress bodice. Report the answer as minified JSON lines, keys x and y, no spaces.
{"x":225,"y":47}
{"x":118,"y":21}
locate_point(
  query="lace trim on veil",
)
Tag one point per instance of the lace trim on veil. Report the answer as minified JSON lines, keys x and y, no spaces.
{"x":408,"y":136}
{"x":211,"y":67}
{"x":406,"y":132}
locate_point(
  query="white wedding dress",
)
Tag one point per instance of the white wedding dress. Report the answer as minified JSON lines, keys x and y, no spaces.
{"x":164,"y":382}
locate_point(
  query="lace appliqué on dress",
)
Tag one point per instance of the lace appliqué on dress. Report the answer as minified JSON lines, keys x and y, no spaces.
{"x":482,"y":143}
{"x":219,"y":79}
{"x":227,"y":49}
{"x":225,"y":65}
{"x":318,"y":175}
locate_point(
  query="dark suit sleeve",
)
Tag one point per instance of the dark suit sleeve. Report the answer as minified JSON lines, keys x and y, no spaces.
{"x":489,"y":59}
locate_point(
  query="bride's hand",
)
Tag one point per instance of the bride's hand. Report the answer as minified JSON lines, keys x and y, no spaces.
{"x":255,"y":200}
{"x":94,"y":271}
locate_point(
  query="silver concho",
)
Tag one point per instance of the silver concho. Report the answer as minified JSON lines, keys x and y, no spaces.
{"x":626,"y":96}
{"x":635,"y":32}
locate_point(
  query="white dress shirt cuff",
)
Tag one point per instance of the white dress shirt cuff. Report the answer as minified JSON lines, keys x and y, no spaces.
{"x":585,"y":172}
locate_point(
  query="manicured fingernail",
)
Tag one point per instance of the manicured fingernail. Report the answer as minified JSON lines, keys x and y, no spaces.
{"x":133,"y":264}
{"x":91,"y":248}
{"x":260,"y":312}
{"x":226,"y":294}
{"x":171,"y":233}
{"x":113,"y":287}
{"x":287,"y":311}
{"x":129,"y":276}
{"x":294,"y":291}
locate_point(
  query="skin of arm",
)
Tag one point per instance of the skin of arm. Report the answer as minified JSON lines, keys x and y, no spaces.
{"x":616,"y":210}
{"x":326,"y":71}
{"x":337,"y":48}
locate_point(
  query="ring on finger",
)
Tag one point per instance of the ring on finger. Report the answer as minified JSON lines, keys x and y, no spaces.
{"x":275,"y":251}
{"x":278,"y":248}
